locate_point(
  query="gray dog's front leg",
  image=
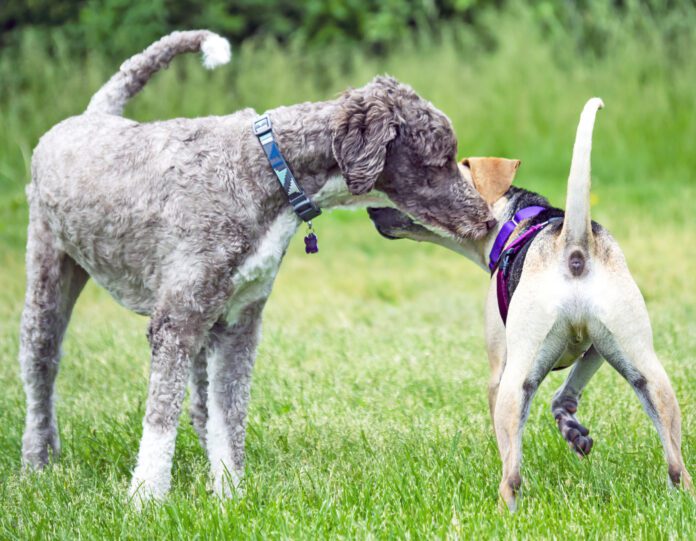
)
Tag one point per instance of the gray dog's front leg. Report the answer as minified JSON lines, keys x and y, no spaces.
{"x":198,"y":385}
{"x":174,"y":339}
{"x":230,"y":363}
{"x":565,"y":402}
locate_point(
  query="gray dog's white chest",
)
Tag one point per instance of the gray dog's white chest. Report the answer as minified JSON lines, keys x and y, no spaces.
{"x":254,"y":278}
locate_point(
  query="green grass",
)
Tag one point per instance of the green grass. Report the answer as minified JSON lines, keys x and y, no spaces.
{"x":368,"y":415}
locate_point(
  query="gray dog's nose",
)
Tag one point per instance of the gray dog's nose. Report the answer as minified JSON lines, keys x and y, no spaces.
{"x":490,"y":224}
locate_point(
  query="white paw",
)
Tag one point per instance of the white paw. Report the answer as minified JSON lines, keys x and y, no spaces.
{"x":144,"y":490}
{"x":227,"y":485}
{"x":153,"y":474}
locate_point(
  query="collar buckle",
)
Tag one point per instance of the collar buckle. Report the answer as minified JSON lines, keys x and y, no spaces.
{"x":262,"y":125}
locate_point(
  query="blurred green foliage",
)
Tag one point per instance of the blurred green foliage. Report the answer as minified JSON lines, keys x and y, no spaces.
{"x":128,"y":24}
{"x":512,"y":78}
{"x":121,"y":26}
{"x":511,"y":82}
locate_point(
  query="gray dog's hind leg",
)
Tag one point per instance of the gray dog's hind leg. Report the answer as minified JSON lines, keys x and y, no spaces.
{"x":230,"y":364}
{"x":565,"y":402}
{"x":198,"y":386}
{"x":54,"y":282}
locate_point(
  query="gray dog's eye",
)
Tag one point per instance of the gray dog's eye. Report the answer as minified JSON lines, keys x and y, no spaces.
{"x":433,"y":181}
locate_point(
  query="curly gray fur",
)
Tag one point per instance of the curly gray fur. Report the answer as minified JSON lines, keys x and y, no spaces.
{"x":137,"y":70}
{"x":183,"y":220}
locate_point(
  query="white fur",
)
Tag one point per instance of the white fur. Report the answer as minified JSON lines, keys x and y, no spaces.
{"x":152,"y":475}
{"x":577,"y":216}
{"x":216,"y":51}
{"x":254,"y":278}
{"x":226,"y":479}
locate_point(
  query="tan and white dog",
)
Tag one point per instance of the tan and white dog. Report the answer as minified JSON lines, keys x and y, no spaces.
{"x":572,"y":301}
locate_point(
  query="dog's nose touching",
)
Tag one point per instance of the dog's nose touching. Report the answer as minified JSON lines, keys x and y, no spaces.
{"x":490,"y":224}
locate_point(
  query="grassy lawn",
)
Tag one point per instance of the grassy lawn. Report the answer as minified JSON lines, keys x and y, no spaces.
{"x":368,"y":410}
{"x":368,"y":415}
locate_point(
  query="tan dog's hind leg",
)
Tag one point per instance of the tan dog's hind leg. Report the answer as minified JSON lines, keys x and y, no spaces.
{"x":565,"y":402}
{"x":533,"y":347}
{"x":622,"y":335}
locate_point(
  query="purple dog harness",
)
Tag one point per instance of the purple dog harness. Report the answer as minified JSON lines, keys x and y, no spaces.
{"x":501,"y":257}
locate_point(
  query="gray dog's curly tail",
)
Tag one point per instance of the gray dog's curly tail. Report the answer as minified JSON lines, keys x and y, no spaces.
{"x":137,"y":70}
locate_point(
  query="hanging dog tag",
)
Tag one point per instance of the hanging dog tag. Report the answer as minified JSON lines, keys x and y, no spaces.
{"x":311,"y":241}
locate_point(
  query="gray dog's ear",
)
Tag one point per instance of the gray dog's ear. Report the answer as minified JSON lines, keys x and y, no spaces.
{"x":362,"y":129}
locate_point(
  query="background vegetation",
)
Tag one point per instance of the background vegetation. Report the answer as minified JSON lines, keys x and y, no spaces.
{"x":368,"y":413}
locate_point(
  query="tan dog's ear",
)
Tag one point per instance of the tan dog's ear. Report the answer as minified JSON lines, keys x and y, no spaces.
{"x":492,"y":176}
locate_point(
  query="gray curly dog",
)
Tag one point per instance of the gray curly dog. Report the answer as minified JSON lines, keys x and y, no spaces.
{"x":184,"y":221}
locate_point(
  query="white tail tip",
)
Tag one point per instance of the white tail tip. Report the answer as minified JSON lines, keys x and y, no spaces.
{"x":216,"y":51}
{"x":594,"y":103}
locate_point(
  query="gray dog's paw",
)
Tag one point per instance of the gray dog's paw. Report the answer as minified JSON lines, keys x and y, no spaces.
{"x":574,"y":433}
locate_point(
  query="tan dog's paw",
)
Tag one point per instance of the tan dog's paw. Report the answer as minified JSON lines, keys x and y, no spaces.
{"x":509,"y":491}
{"x":572,"y":431}
{"x":680,"y":478}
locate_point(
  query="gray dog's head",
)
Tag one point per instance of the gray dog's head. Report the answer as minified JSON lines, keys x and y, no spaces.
{"x":386,"y":137}
{"x":491,"y":177}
